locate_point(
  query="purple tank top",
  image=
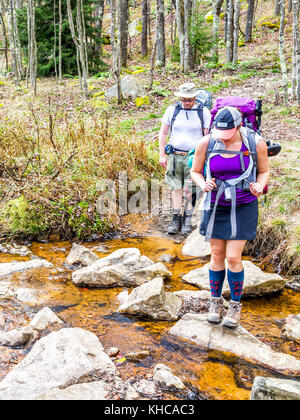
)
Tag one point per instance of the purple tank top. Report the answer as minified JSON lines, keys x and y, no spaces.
{"x":229,"y":168}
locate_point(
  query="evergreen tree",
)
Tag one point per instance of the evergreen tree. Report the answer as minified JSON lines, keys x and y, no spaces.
{"x":46,"y":18}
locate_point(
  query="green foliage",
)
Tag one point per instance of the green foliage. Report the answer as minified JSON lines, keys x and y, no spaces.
{"x":200,"y":37}
{"x":45,"y":37}
{"x":23,"y":218}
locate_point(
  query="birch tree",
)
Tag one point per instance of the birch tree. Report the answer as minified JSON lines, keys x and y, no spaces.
{"x":180,"y":27}
{"x":80,"y":45}
{"x":236,"y":20}
{"x":217,"y":4}
{"x":296,"y":52}
{"x":161,"y":47}
{"x":229,"y":30}
{"x":32,"y":47}
{"x":183,"y":18}
{"x":4,"y":33}
{"x":115,"y":43}
{"x":59,"y":42}
{"x":16,"y":54}
{"x":281,"y":52}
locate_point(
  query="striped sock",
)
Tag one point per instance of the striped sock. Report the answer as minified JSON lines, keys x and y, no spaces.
{"x":216,"y":280}
{"x":236,"y":282}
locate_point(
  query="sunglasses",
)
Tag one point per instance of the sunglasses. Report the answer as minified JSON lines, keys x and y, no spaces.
{"x":187,"y":99}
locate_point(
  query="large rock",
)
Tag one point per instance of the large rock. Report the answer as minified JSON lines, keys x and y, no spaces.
{"x":44,"y":318}
{"x":291,"y":327}
{"x":124,"y":267}
{"x":81,"y":255}
{"x":61,"y":359}
{"x":195,"y":245}
{"x":16,"y":337}
{"x":91,"y":391}
{"x":275,"y":389}
{"x":195,"y":301}
{"x":130,"y":86}
{"x":7,"y":269}
{"x":256,"y":281}
{"x":151,"y":300}
{"x":164,"y":378}
{"x":196,"y":329}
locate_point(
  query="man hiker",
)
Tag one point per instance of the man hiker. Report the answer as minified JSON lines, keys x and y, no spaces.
{"x":187,"y":122}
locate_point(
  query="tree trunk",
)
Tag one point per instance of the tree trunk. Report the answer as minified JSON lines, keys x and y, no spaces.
{"x":116,"y":53}
{"x":16,"y":57}
{"x":217,"y":4}
{"x":277,"y":8}
{"x":229,"y":31}
{"x":180,"y":27}
{"x":99,"y":12}
{"x":187,"y":46}
{"x":59,"y":42}
{"x":54,"y":46}
{"x":296,"y":53}
{"x":281,"y":52}
{"x":249,"y":22}
{"x":153,"y":54}
{"x":161,"y":47}
{"x":4,"y":34}
{"x":236,"y":20}
{"x":80,"y":50}
{"x":144,"y":41}
{"x":122,"y":25}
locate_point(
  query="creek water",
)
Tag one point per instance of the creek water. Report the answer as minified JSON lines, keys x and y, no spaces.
{"x":207,"y":374}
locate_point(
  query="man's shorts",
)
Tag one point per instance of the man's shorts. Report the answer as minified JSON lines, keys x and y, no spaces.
{"x":182,"y":172}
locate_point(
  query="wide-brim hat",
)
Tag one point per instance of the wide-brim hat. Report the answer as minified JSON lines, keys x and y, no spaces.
{"x":226,"y":122}
{"x":187,"y":90}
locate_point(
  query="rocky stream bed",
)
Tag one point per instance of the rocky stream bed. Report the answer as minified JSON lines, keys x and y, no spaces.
{"x":125,"y":319}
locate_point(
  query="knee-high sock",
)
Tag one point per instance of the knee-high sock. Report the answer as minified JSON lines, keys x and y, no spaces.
{"x":216,"y":280}
{"x":236,"y":282}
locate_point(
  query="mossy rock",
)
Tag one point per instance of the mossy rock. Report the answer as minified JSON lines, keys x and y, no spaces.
{"x":270,"y":22}
{"x":209,"y":18}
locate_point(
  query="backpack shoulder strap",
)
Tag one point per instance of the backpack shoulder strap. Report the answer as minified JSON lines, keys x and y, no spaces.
{"x":176,"y":112}
{"x":210,"y":146}
{"x":200,"y":107}
{"x":252,"y":144}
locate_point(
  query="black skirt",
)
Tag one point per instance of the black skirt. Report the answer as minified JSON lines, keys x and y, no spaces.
{"x":246,"y":221}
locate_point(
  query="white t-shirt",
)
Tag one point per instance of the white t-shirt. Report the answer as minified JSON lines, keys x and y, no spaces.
{"x":187,"y":129}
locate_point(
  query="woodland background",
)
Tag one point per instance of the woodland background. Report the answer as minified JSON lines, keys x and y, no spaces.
{"x":60,"y":133}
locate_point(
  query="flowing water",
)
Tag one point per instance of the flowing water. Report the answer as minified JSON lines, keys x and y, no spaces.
{"x":209,"y":375}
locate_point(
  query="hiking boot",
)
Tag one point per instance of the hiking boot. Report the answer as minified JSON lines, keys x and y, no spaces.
{"x":175,"y":225}
{"x":233,"y":315}
{"x":186,"y":227}
{"x":215,"y":310}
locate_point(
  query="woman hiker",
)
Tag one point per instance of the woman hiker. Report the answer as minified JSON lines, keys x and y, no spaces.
{"x":235,"y":177}
{"x":187,"y":122}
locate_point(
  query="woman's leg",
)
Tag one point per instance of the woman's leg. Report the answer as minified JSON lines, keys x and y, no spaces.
{"x":217,"y":266}
{"x":235,"y":272}
{"x":235,"y":276}
{"x":216,"y":279}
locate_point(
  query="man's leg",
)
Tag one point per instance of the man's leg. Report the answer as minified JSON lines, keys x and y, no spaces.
{"x":175,"y":225}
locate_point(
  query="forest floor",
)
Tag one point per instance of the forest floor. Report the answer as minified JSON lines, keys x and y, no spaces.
{"x":60,"y":119}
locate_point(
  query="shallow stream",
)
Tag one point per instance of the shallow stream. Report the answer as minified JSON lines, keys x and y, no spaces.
{"x":209,"y":375}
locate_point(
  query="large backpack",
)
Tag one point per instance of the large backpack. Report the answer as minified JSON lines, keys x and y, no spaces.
{"x":251,"y":118}
{"x":251,"y":110}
